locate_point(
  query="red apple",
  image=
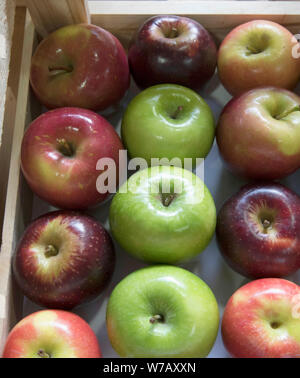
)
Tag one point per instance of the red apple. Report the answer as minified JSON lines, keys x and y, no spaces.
{"x":80,"y":65}
{"x":64,"y":258}
{"x":260,"y":320}
{"x":172,"y":49}
{"x":60,"y":150}
{"x":52,"y":334}
{"x":258,"y":53}
{"x":258,"y":133}
{"x":258,"y":231}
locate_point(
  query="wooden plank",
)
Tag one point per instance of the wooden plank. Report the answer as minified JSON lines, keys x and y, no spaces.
{"x":122,"y":18}
{"x":18,"y":199}
{"x":10,"y":105}
{"x":7,"y":12}
{"x":48,"y":15}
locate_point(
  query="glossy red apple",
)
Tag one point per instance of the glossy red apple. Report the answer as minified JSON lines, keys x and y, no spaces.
{"x":258,"y":231}
{"x":258,"y":133}
{"x":172,"y":49}
{"x":52,"y":334}
{"x":64,"y":258}
{"x":80,"y":65}
{"x":60,"y":150}
{"x":258,"y":53}
{"x":261,"y":320}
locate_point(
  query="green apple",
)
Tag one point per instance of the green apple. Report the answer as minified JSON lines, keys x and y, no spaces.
{"x":163,"y":214}
{"x":168,"y":121}
{"x":170,"y":313}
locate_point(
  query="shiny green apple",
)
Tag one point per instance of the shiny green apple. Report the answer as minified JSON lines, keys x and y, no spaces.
{"x":163,"y":214}
{"x":168,"y":121}
{"x":170,"y":312}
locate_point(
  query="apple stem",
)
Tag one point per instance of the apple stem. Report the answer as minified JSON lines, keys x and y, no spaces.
{"x":51,"y":251}
{"x":43,"y":354}
{"x":275,"y":325}
{"x":156,"y":318}
{"x":55,"y":71}
{"x":266,"y":224}
{"x":64,"y":147}
{"x":167,"y":199}
{"x":173,"y":33}
{"x":287,"y":112}
{"x":253,"y":50}
{"x":177,"y":111}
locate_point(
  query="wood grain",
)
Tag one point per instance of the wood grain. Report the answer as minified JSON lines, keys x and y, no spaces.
{"x":10,"y":106}
{"x":18,"y":199}
{"x":49,"y":15}
{"x":123,"y":18}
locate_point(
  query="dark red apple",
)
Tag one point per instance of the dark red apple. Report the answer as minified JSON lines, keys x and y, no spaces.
{"x":80,"y":65}
{"x":60,"y":151}
{"x":172,"y":49}
{"x":64,"y":258}
{"x":258,"y":231}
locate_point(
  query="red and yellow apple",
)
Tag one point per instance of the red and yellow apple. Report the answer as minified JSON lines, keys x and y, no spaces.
{"x":258,"y":53}
{"x":260,"y":320}
{"x":64,"y":258}
{"x":258,"y":133}
{"x":258,"y":231}
{"x":60,"y":151}
{"x":80,"y":65}
{"x":52,"y":334}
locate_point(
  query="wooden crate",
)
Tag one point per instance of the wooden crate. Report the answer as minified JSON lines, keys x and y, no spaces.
{"x":122,"y":18}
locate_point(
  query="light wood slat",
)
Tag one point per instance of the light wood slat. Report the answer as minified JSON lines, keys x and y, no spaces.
{"x":122,"y":18}
{"x":10,"y":106}
{"x":49,"y":15}
{"x":17,"y":202}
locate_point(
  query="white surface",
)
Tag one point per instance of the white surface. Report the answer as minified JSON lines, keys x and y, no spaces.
{"x":209,"y":265}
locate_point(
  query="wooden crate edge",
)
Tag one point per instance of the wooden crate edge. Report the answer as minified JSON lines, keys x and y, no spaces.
{"x":11,"y":206}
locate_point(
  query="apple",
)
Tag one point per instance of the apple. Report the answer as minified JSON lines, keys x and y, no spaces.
{"x":258,"y":231}
{"x":172,"y":313}
{"x":258,"y":133}
{"x":172,"y":49}
{"x":80,"y":65}
{"x":260,"y":320}
{"x":163,"y":214}
{"x":52,"y":334}
{"x":63,"y":259}
{"x":175,"y":121}
{"x":60,"y":151}
{"x":258,"y":53}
